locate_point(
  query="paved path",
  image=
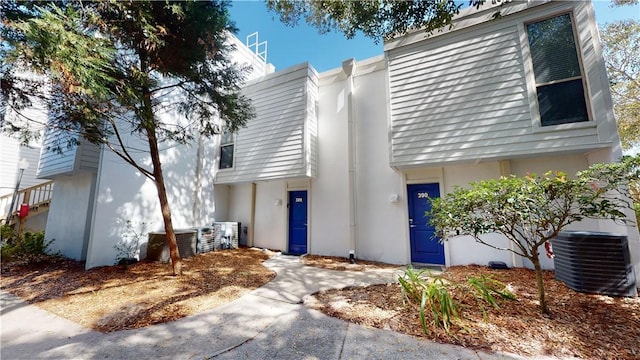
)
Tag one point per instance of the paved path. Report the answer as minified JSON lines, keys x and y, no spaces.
{"x":269,"y":323}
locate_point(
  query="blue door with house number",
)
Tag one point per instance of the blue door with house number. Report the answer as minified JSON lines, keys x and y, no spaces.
{"x":425,"y":246}
{"x":297,"y":222}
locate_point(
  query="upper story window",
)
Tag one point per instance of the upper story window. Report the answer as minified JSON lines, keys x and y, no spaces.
{"x":557,"y":70}
{"x":226,"y":149}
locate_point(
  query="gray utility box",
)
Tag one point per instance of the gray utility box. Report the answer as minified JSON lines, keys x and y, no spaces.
{"x":594,"y":262}
{"x":158,"y":249}
{"x":226,"y":235}
{"x":205,"y":239}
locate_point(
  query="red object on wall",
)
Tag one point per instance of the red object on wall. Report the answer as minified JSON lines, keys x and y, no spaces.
{"x":24,"y":210}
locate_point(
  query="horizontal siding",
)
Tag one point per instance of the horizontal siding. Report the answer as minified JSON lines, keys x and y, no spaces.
{"x":273,"y":145}
{"x":53,"y":163}
{"x":312,"y":128}
{"x":11,"y":152}
{"x":9,"y":158}
{"x":89,"y":157}
{"x":463,"y":97}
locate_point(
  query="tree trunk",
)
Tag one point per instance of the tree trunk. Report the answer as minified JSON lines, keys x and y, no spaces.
{"x":147,"y":119}
{"x":164,"y":202}
{"x":540,"y":282}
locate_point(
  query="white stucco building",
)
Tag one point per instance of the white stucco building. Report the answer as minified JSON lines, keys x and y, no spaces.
{"x":340,"y":161}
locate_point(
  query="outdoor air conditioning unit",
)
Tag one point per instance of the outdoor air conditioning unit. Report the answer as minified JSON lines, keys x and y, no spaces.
{"x":226,"y":235}
{"x":205,"y":236}
{"x":594,"y":262}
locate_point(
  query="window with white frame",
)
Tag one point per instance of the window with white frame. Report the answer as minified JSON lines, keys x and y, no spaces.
{"x":557,"y":70}
{"x":226,"y":149}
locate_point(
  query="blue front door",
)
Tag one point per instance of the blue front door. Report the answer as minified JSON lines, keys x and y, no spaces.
{"x":425,"y":246}
{"x":297,"y":222}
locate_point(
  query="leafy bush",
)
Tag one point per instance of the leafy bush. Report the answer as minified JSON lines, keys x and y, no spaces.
{"x":432,"y":293}
{"x":7,"y":233}
{"x":127,"y":248}
{"x":531,"y":210}
{"x":634,"y":190}
{"x":27,"y":245}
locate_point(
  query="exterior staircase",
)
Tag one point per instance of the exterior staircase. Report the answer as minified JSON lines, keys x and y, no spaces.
{"x":37,"y":197}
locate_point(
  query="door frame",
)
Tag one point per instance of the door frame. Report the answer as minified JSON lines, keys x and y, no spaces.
{"x":412,"y":205}
{"x":288,"y":191}
{"x":416,"y":177}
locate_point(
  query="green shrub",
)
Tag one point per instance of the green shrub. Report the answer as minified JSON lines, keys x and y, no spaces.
{"x":7,"y":233}
{"x":27,"y":246}
{"x":420,"y":286}
{"x":432,"y":292}
{"x":8,"y":252}
{"x":34,"y":243}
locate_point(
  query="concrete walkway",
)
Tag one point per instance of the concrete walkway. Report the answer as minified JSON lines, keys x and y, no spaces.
{"x":269,"y":323}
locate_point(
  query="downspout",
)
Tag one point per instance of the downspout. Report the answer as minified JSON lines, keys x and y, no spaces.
{"x":197,"y":191}
{"x":505,"y":170}
{"x":252,"y":216}
{"x":349,"y":68}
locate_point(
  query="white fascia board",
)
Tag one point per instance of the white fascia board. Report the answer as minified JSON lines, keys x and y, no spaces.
{"x":279,"y":77}
{"x":467,"y":18}
{"x":363,"y":67}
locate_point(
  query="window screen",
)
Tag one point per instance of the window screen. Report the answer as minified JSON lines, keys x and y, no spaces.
{"x":226,"y":150}
{"x":557,"y":71}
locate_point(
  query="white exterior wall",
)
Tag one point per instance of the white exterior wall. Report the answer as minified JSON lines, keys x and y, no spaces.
{"x":54,"y":163}
{"x":11,"y":152}
{"x":382,"y":225}
{"x":69,"y":213}
{"x":329,"y":205}
{"x":83,"y":157}
{"x":277,"y":143}
{"x":122,"y":193}
{"x":463,"y":250}
{"x":270,"y":229}
{"x":240,"y":205}
{"x":469,"y":94}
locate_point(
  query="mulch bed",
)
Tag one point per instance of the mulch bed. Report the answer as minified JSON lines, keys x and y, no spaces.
{"x":580,"y":325}
{"x":111,"y":298}
{"x":342,"y":264}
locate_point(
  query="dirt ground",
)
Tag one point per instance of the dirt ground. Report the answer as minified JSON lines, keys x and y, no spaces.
{"x":342,"y":264}
{"x":110,"y":298}
{"x":580,"y":325}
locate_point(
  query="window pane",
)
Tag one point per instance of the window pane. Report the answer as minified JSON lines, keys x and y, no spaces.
{"x":227,"y":137}
{"x":226,"y":157}
{"x":562,"y":103}
{"x":553,"y":49}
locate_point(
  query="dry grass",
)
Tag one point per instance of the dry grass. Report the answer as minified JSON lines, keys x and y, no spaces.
{"x":111,"y":298}
{"x":580,"y":325}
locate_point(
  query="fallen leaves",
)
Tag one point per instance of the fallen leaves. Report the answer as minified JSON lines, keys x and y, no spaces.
{"x":111,"y":298}
{"x":580,"y":325}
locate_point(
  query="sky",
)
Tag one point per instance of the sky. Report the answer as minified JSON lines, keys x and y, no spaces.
{"x":290,"y":46}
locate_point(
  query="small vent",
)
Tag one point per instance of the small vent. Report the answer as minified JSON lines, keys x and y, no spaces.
{"x":594,"y":262}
